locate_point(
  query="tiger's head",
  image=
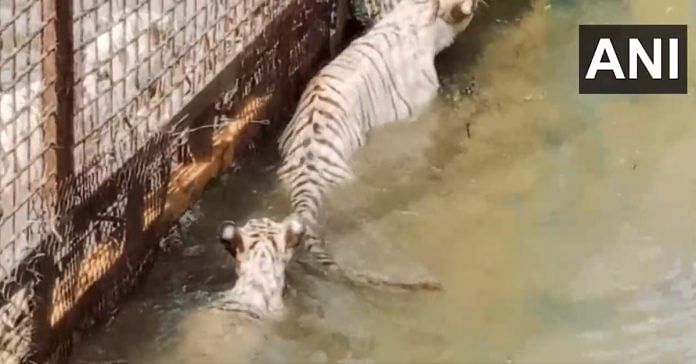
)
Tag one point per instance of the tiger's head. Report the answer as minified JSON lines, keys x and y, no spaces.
{"x":458,"y":13}
{"x":261,"y":249}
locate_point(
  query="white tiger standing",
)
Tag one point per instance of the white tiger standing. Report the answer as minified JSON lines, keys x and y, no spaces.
{"x":384,"y":76}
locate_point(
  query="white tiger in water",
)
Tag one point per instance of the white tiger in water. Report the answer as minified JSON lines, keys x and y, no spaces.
{"x":384,"y":76}
{"x":261,"y":249}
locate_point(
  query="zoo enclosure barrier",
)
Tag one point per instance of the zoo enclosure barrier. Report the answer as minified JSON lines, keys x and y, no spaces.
{"x":114,"y":114}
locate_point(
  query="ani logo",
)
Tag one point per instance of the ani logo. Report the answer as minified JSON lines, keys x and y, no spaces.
{"x":633,"y":59}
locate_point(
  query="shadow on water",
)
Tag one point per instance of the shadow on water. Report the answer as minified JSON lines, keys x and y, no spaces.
{"x":558,"y":223}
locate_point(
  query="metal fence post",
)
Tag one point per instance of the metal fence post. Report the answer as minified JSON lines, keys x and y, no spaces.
{"x":58,"y":108}
{"x":59,"y":94}
{"x":337,"y":39}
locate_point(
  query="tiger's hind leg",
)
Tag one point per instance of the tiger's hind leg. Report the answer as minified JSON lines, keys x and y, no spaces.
{"x":319,"y":260}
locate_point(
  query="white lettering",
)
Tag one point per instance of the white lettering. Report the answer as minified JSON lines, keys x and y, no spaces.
{"x":636,"y":50}
{"x":605,"y":47}
{"x":673,"y":58}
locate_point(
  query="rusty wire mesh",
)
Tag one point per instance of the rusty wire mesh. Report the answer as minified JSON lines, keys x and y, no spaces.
{"x":21,"y":145}
{"x":108,"y":108}
{"x":141,"y":61}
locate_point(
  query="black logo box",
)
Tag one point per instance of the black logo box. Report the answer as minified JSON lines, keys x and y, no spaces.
{"x":605,"y":81}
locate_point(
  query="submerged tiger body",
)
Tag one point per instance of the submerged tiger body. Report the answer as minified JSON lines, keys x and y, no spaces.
{"x":386,"y":75}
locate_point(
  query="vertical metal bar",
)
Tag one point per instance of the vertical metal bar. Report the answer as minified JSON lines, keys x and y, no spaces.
{"x":58,"y":104}
{"x":58,"y":96}
{"x":135,"y":230}
{"x":41,"y":339}
{"x":337,"y":40}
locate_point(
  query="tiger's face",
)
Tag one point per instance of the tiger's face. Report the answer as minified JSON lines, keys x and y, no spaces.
{"x":262,"y":249}
{"x":459,"y":13}
{"x":261,"y":242}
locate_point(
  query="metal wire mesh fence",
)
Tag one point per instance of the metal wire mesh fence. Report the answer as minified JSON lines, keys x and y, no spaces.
{"x":369,"y":11}
{"x":113,"y":115}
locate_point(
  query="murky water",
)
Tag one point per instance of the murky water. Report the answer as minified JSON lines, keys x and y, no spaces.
{"x":562,"y":226}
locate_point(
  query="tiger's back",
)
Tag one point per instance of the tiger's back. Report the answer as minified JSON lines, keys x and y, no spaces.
{"x":387,"y":75}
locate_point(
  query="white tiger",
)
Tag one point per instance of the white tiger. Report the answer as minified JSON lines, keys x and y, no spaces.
{"x":384,"y":76}
{"x":261,"y":249}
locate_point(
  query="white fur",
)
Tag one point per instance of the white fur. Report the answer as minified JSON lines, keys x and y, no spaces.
{"x":227,"y":232}
{"x":468,"y":8}
{"x":260,"y":265}
{"x":385,"y":76}
{"x":294,"y":225}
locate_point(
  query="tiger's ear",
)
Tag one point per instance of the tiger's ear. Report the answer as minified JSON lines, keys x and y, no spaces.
{"x":231,"y":238}
{"x":462,"y":10}
{"x":294,"y":231}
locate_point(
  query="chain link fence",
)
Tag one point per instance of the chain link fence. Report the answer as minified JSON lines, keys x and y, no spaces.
{"x":114,"y":114}
{"x":369,"y":11}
